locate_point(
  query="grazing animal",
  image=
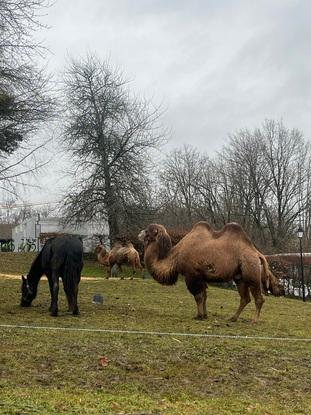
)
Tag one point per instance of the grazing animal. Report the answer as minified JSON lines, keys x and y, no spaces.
{"x":118,"y":255}
{"x":205,"y":255}
{"x":61,"y":256}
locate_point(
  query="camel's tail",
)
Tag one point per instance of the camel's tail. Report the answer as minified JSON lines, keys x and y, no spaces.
{"x":269,"y":281}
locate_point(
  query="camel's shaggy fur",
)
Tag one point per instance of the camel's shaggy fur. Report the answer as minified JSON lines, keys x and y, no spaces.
{"x":205,"y":255}
{"x":118,"y":255}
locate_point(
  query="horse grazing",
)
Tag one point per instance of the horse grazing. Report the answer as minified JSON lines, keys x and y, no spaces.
{"x":61,"y":256}
{"x":118,"y":255}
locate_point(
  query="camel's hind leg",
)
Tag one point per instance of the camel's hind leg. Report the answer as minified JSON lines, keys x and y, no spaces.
{"x":256,"y":291}
{"x":197,"y":287}
{"x":244,"y":300}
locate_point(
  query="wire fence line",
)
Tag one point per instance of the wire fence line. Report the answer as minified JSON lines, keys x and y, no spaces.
{"x":158,"y":333}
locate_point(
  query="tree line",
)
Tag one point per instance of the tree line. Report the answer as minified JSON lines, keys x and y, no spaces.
{"x":260,"y":178}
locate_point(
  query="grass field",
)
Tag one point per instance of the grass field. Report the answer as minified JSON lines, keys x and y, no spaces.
{"x":59,"y":372}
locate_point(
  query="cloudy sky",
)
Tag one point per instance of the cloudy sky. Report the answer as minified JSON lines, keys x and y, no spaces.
{"x":216,"y":66}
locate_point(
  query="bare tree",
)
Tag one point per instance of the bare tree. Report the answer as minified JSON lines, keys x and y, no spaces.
{"x":216,"y":192}
{"x":260,"y":179}
{"x":180,"y":175}
{"x":110,"y":135}
{"x":284,"y":151}
{"x":264,"y":169}
{"x":247,"y":173}
{"x":25,"y":102}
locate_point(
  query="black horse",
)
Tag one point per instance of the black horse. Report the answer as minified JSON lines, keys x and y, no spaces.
{"x":61,"y":256}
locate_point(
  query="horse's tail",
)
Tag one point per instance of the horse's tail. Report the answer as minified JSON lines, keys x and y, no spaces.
{"x":72,"y":273}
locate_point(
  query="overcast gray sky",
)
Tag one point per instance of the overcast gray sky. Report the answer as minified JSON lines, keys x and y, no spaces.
{"x":217,"y":66}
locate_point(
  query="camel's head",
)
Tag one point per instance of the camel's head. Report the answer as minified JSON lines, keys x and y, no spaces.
{"x":157,"y":234}
{"x":277,"y":287}
{"x":100,"y":248}
{"x":274,"y":284}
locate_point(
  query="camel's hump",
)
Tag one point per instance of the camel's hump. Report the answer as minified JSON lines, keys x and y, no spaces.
{"x":229,"y":227}
{"x":234,"y":229}
{"x":203,"y":224}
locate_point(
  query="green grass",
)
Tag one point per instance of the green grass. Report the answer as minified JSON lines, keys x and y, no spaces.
{"x":18,"y":263}
{"x":57,"y":372}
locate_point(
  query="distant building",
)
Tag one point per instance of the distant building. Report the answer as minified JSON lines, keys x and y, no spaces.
{"x":5,"y":232}
{"x":36,"y":232}
{"x":6,"y":237}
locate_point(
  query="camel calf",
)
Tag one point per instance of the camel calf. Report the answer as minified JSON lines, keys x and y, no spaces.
{"x":118,"y":255}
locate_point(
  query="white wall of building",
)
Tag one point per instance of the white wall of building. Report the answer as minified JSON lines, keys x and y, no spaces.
{"x":27,"y":230}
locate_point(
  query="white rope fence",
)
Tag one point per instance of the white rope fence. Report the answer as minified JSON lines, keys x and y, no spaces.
{"x":158,"y":333}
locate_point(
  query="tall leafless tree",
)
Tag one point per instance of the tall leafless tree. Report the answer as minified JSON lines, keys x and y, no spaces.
{"x":182,"y":169}
{"x":25,"y":102}
{"x":110,"y":134}
{"x":265,"y":167}
{"x":260,"y":179}
{"x":284,"y":151}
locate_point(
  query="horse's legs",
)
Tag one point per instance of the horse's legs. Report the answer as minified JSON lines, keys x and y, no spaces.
{"x":244,"y":300}
{"x":256,"y":291}
{"x":197,"y":288}
{"x":72,"y":298}
{"x":71,"y":290}
{"x":69,"y":298}
{"x":54,"y":293}
{"x":49,"y":277}
{"x":75,"y":308}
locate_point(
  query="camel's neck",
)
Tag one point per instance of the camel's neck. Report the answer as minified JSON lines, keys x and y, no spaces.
{"x":163,"y":270}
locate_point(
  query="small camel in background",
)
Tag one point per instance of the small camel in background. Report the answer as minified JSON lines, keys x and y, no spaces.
{"x":118,"y":255}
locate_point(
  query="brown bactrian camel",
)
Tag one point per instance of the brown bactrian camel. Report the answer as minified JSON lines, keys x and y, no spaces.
{"x":206,"y":255}
{"x":118,"y":255}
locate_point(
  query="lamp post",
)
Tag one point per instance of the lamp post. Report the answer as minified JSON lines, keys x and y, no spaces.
{"x":300,"y":235}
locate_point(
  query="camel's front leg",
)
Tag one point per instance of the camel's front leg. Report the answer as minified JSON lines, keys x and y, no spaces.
{"x":245,"y":298}
{"x":197,"y":287}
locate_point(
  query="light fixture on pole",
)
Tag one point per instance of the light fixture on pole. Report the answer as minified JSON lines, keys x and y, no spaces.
{"x":300,"y":236}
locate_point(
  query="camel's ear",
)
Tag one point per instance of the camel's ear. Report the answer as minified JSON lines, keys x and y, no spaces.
{"x":164,"y":245}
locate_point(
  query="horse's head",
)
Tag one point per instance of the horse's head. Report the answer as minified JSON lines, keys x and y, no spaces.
{"x":28,"y":292}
